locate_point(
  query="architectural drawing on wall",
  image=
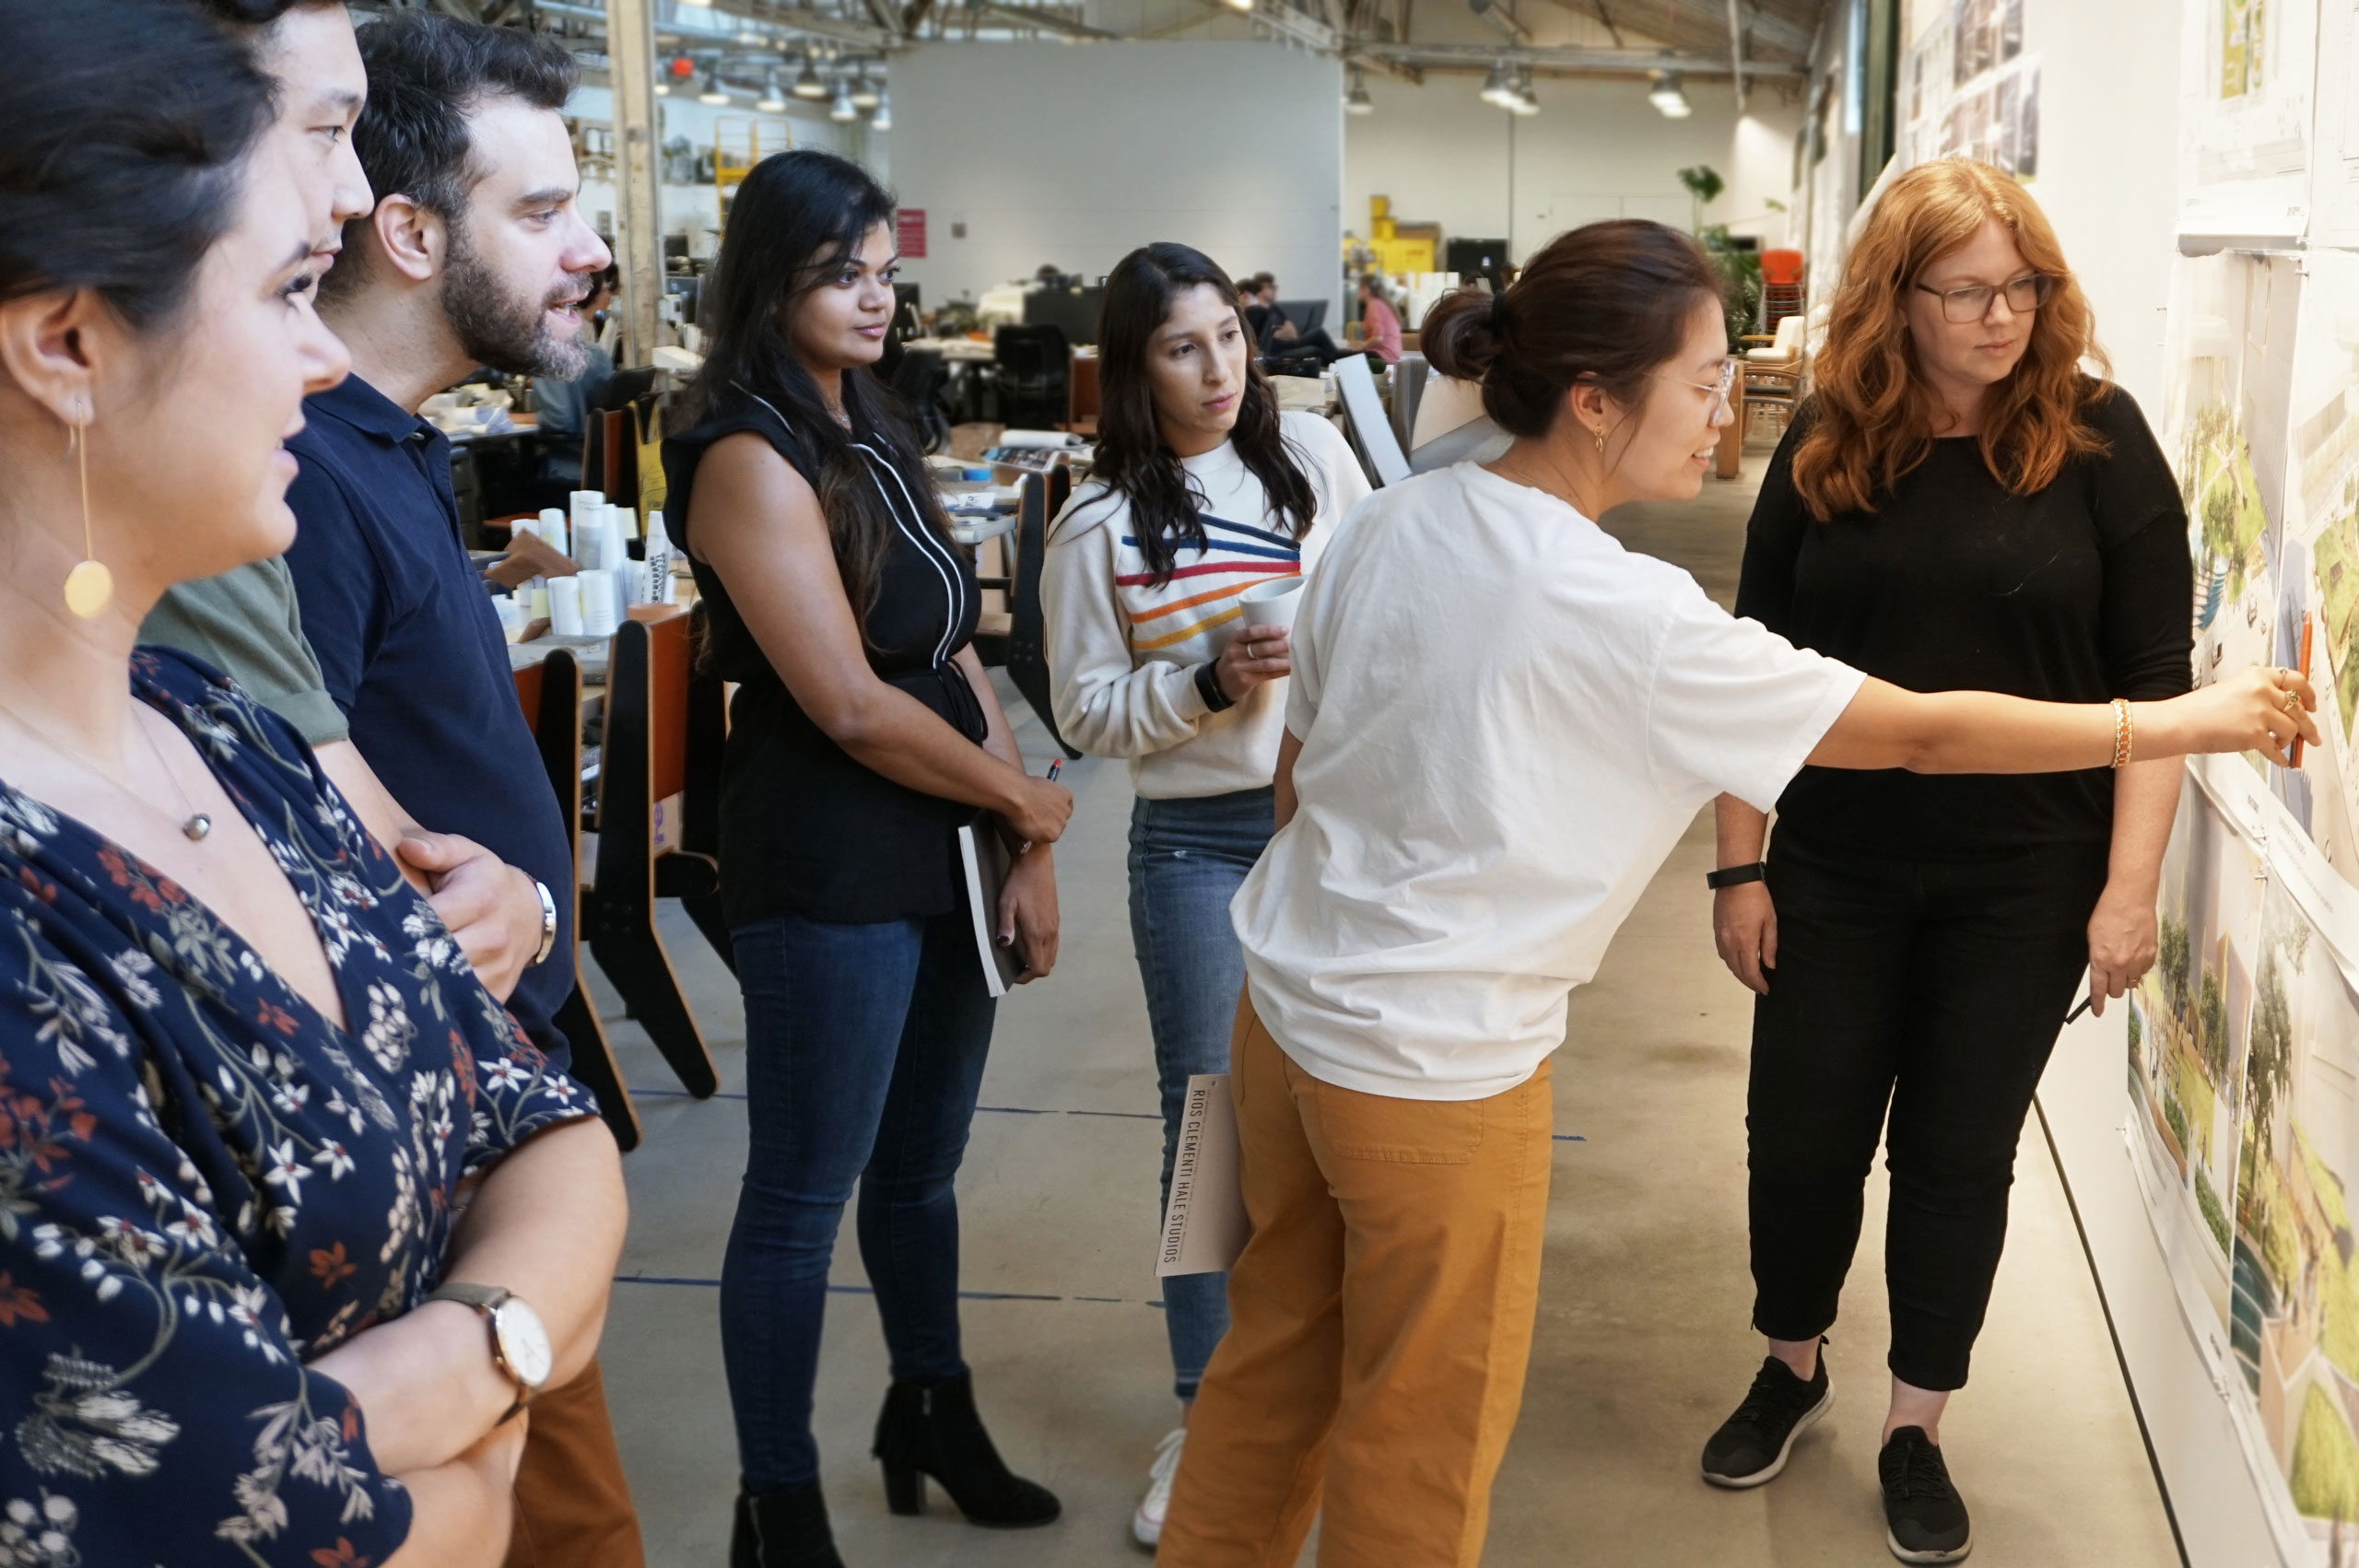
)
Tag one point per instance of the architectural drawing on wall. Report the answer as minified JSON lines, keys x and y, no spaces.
{"x":2244,"y":1059}
{"x":2230,"y":350}
{"x":1972,"y":91}
{"x":2294,"y":1328}
{"x":2334,"y":218}
{"x":2187,"y":1039}
{"x":2318,"y":553}
{"x":2243,"y":25}
{"x":2245,"y":83}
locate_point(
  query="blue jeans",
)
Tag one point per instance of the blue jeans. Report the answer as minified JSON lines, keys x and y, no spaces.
{"x":864,"y":1049}
{"x":1188,"y":858}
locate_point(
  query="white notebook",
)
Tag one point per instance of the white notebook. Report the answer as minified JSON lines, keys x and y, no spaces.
{"x":986,"y":859}
{"x":1204,"y":1226}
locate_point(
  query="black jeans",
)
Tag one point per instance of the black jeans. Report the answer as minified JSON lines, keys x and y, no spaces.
{"x":1937,"y":988}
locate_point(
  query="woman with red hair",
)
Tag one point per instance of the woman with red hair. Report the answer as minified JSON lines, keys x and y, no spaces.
{"x":1959,"y":505}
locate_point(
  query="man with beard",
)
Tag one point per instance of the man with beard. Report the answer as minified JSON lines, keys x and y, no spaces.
{"x":244,"y":622}
{"x":473,"y":255}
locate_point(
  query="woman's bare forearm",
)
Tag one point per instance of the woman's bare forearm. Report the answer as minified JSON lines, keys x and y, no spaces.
{"x":462,"y":1512}
{"x":545,"y":1224}
{"x":2145,"y":801}
{"x":1740,"y":830}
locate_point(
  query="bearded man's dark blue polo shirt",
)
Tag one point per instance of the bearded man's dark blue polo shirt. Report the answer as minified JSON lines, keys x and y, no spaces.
{"x":412,"y":651}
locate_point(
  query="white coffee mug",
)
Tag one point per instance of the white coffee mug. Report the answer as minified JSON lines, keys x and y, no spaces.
{"x":1271,"y":604}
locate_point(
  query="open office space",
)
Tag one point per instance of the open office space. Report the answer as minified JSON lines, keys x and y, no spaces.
{"x":1248,"y":782}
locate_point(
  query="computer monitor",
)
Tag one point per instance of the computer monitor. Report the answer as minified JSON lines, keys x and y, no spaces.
{"x":1075,"y":312}
{"x":1308,"y":315}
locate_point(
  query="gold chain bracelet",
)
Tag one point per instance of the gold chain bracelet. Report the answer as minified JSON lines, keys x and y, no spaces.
{"x":2124,"y":733}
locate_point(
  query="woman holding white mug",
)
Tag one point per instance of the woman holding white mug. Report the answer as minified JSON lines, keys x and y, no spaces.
{"x":1202,"y":492}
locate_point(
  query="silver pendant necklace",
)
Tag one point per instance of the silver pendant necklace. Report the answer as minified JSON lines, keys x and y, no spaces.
{"x":193,"y":825}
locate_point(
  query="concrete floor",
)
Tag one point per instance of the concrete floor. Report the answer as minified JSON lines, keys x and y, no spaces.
{"x":1642,"y":1344}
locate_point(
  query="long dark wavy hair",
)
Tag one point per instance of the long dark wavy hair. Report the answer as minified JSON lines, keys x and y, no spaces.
{"x":796,"y":220}
{"x":1132,"y":458}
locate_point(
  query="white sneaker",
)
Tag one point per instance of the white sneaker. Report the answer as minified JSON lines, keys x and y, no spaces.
{"x":1146,"y":1524}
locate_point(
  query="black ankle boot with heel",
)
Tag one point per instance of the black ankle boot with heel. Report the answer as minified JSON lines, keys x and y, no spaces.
{"x":782,"y":1529}
{"x":931,"y":1428}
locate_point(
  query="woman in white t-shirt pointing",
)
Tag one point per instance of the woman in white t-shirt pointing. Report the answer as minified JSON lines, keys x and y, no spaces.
{"x":1499,"y":723}
{"x":1202,"y":490}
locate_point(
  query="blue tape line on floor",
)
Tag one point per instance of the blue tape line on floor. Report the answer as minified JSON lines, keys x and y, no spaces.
{"x":1001,"y":1110}
{"x":868,"y":1291}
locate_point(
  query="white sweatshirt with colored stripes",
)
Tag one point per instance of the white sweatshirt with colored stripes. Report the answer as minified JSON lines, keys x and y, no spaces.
{"x":1123,"y":652}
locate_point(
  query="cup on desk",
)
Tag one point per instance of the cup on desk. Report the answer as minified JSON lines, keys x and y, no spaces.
{"x":1271,"y":604}
{"x":596,"y":590}
{"x":565,"y":605}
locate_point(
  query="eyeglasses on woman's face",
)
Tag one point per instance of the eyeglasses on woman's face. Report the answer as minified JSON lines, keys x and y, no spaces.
{"x":2025,"y":294}
{"x":1719,"y":387}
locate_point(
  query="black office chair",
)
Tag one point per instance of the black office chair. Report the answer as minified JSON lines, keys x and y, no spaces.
{"x":1034,"y":376}
{"x":1018,"y":636}
{"x":919,"y":378}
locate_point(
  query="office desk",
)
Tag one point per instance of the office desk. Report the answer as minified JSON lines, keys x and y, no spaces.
{"x":955,"y":350}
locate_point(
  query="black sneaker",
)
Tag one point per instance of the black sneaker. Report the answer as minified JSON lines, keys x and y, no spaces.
{"x":1924,"y":1515}
{"x":1751,"y":1446}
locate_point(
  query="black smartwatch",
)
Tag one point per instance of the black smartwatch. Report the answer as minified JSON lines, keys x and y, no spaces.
{"x":1208,"y":687}
{"x":1736,"y":876}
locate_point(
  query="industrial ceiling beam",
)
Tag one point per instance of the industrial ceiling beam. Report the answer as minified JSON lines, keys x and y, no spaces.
{"x":1736,"y":54}
{"x":1614,"y":61}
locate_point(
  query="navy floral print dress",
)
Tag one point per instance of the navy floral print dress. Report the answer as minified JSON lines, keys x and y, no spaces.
{"x":205,"y":1184}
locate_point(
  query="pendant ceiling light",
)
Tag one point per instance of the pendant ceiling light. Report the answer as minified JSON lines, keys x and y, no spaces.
{"x":807,"y":84}
{"x":1496,"y":87}
{"x":714,"y":93}
{"x":882,"y":119}
{"x":1527,"y":102}
{"x":866,"y":94}
{"x":840,"y":110}
{"x":1357,"y":101}
{"x":773,"y":101}
{"x":1669,"y":97}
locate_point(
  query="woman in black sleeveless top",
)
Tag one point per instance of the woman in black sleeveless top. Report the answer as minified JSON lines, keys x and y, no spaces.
{"x":863,"y":734}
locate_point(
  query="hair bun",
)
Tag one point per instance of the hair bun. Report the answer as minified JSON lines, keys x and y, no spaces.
{"x":1462,"y":333}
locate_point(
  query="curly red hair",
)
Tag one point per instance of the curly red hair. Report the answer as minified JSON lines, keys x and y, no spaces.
{"x":1875,"y":414}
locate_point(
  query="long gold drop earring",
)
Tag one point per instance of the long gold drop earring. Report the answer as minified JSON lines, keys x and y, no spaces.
{"x":89,"y":587}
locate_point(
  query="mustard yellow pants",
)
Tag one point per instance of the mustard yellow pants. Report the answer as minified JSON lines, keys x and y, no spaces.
{"x":1379,"y":1323}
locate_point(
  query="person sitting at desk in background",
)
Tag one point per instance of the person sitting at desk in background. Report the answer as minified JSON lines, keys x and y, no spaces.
{"x":1281,"y":340}
{"x":474,"y":255}
{"x":564,"y":401}
{"x":275,"y":1160}
{"x":244,"y":621}
{"x":1380,"y":325}
{"x":1201,"y":490}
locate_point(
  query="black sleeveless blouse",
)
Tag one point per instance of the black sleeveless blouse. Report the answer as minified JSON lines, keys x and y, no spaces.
{"x":806,"y":829}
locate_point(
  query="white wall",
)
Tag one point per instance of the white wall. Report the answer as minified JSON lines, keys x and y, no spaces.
{"x":1596,"y":149}
{"x":695,"y":210}
{"x":1077,"y":155}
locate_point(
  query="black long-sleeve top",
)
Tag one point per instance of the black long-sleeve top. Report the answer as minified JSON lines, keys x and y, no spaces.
{"x":2078,"y":593}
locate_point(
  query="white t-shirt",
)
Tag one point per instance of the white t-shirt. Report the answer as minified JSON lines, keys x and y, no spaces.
{"x":1507,"y":720}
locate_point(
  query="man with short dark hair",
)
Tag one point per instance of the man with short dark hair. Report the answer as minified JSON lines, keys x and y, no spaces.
{"x":473,"y":255}
{"x":244,"y":622}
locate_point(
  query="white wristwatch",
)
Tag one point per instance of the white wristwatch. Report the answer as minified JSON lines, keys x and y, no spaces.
{"x":520,"y":1341}
{"x":548,"y":922}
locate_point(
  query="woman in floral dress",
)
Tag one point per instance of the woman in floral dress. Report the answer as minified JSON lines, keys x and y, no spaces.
{"x":255,"y":1108}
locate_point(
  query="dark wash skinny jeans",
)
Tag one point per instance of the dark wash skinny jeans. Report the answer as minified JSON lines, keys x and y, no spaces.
{"x":1936,"y":987}
{"x":864,"y":1048}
